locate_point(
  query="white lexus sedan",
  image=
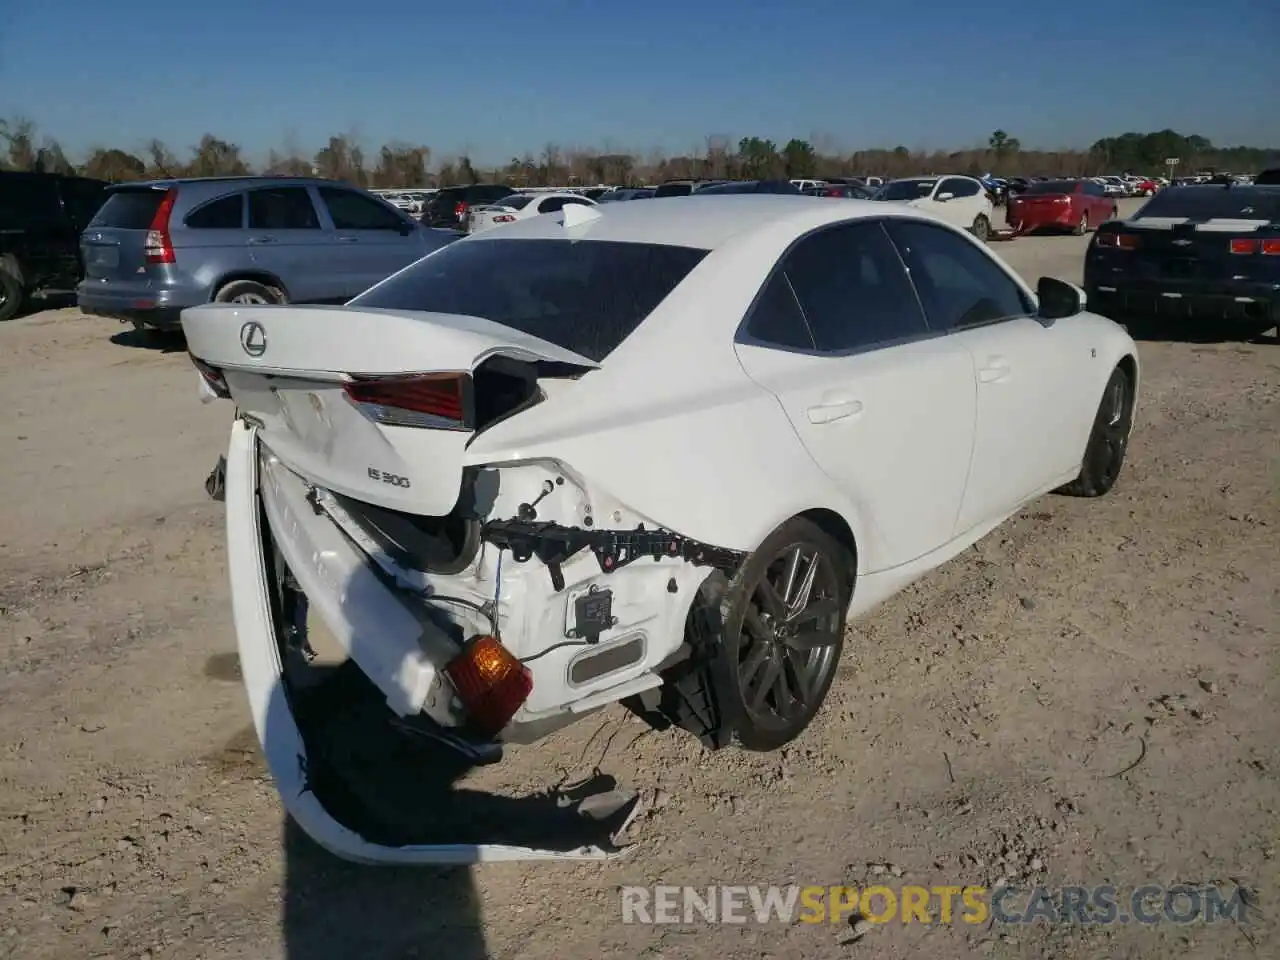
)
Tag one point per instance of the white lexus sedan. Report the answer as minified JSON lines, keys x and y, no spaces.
{"x":657,"y":453}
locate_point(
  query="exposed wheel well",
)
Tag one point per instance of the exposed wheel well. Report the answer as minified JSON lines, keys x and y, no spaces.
{"x":257,"y":276}
{"x":1130,"y":368}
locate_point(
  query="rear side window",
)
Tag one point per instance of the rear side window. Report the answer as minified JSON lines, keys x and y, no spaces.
{"x":353,"y":211}
{"x":225,"y":213}
{"x":584,"y":296}
{"x":282,"y":208}
{"x":853,"y":289}
{"x":1208,"y":203}
{"x":776,"y":318}
{"x":129,"y":209}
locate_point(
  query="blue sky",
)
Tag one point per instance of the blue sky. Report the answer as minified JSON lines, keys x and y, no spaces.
{"x":499,"y":79}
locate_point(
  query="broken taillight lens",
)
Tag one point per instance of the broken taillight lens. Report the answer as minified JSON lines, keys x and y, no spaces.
{"x":440,"y":401}
{"x":491,"y":683}
{"x":213,"y":377}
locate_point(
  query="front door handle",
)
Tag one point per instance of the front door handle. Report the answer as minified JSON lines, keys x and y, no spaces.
{"x":262,"y":239}
{"x":835,"y":410}
{"x":348,"y":239}
{"x":997,"y":369}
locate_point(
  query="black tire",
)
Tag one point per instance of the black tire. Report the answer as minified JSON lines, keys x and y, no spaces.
{"x":249,"y":292}
{"x":798,"y":664}
{"x":981,"y":227}
{"x":11,"y":292}
{"x":1083,"y":226}
{"x":1108,"y":440}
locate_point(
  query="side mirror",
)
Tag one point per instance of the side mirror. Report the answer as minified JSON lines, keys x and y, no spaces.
{"x":943,"y":197}
{"x":1059,"y":299}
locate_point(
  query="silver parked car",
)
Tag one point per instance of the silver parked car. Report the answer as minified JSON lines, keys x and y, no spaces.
{"x":159,"y":246}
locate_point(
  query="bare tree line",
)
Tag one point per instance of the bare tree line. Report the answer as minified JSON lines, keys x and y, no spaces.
{"x":403,"y":164}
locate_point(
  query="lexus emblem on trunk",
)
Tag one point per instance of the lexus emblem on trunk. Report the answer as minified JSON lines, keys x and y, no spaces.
{"x":253,"y":338}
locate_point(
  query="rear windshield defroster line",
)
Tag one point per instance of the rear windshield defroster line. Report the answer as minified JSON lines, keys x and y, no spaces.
{"x":586,"y":296}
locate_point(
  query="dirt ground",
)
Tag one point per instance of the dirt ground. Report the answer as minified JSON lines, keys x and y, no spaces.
{"x":980,"y":727}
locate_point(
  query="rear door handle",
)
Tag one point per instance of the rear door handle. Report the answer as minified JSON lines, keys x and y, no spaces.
{"x":835,"y":410}
{"x":262,"y":239}
{"x":997,"y":369}
{"x":348,"y":239}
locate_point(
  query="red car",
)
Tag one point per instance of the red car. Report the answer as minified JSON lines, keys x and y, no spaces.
{"x":1075,"y":205}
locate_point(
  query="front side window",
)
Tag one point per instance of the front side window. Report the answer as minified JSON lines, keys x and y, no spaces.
{"x":353,"y":211}
{"x":282,"y":208}
{"x":959,"y":283}
{"x":584,"y":296}
{"x":853,"y":289}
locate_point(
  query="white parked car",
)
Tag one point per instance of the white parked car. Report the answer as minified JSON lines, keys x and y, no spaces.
{"x":657,"y":453}
{"x":518,"y":206}
{"x":960,"y":201}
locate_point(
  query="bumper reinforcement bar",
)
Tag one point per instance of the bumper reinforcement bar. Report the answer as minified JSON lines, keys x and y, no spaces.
{"x":553,"y":544}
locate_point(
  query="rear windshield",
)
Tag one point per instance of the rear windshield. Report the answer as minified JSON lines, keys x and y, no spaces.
{"x":516,"y":201}
{"x":129,"y":209}
{"x":1052,"y":186}
{"x":1243,"y":203}
{"x":586,"y":296}
{"x":674,"y":190}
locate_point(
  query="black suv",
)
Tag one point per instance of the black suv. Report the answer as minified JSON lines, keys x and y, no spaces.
{"x":41,"y":218}
{"x":448,"y":206}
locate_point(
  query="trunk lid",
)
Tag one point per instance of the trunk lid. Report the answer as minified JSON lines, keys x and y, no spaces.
{"x":113,"y":246}
{"x":324,"y":384}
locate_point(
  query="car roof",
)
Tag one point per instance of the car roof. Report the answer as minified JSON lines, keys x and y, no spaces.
{"x":166,"y":182}
{"x":703,"y":223}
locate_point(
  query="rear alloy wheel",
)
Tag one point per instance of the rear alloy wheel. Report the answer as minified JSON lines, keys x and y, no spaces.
{"x":981,"y":227}
{"x":1083,"y":226}
{"x":785,"y":631}
{"x":1108,"y":441}
{"x":249,"y":293}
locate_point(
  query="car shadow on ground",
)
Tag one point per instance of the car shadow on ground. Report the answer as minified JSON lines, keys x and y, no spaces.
{"x":163,"y":341}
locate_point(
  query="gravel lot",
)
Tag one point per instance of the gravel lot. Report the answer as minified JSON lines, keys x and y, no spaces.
{"x":993,"y":705}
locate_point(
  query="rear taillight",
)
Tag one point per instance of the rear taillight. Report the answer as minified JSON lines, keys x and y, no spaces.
{"x":1271,"y":248}
{"x":440,"y":401}
{"x":460,"y":211}
{"x":158,"y":247}
{"x":213,"y":377}
{"x":1118,"y":241}
{"x":491,"y":683}
{"x":1243,"y":246}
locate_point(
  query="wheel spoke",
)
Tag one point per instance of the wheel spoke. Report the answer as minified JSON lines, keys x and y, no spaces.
{"x":772,"y":667}
{"x":814,"y":639}
{"x":803,"y":677}
{"x":783,"y":699}
{"x":750,"y":667}
{"x":798,"y":600}
{"x":772,"y":603}
{"x":815,"y":611}
{"x":789,"y":578}
{"x":756,"y":626}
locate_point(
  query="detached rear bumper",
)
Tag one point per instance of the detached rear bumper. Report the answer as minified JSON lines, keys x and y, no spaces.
{"x":277,"y":728}
{"x":136,"y":303}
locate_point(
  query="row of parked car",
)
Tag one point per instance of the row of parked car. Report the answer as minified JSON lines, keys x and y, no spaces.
{"x":142,"y":252}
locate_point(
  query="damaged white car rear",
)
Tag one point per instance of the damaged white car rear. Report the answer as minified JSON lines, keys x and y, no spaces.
{"x":655,"y":455}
